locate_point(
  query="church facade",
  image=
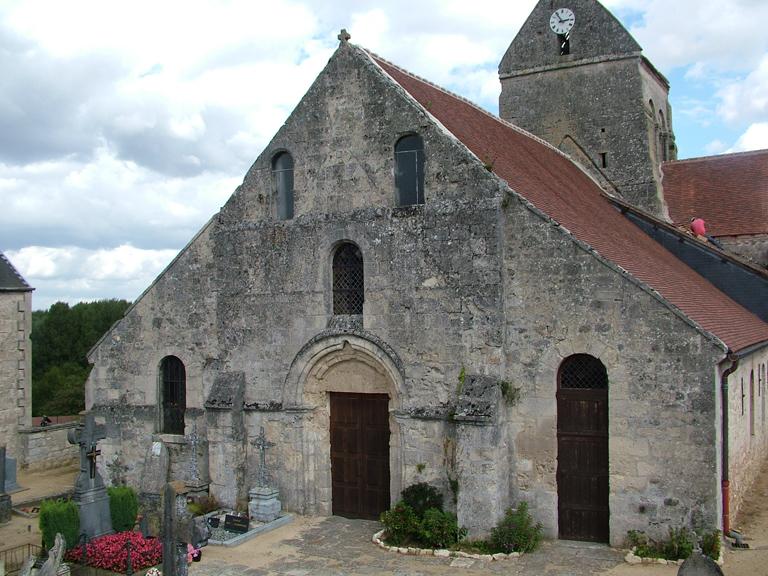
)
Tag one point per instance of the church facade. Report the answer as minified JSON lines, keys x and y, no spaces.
{"x":406,"y":288}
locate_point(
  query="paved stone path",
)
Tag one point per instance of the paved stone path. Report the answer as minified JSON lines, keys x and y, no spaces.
{"x":337,"y":546}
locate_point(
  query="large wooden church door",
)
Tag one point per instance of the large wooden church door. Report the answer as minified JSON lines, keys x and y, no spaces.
{"x":582,"y":449}
{"x":359,"y":454}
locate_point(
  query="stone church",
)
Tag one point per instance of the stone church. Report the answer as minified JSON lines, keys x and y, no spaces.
{"x":406,"y":288}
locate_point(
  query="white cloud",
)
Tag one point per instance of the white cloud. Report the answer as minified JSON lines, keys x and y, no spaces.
{"x":76,"y":274}
{"x":755,"y":138}
{"x":747,"y":99}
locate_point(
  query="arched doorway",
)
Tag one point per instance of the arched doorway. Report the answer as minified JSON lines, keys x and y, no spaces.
{"x":582,"y":449}
{"x":348,"y":387}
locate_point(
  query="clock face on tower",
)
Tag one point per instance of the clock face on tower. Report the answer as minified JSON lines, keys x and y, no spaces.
{"x":562,"y":21}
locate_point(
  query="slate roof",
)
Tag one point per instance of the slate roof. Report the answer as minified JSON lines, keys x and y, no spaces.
{"x":729,"y":192}
{"x":10,"y":279}
{"x":559,"y":188}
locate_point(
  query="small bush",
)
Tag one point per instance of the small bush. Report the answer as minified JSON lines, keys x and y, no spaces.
{"x":710,"y":544}
{"x":677,"y":546}
{"x":440,"y":529}
{"x":123,"y":507}
{"x":60,"y":516}
{"x":401,"y":523}
{"x":516,"y":532}
{"x":421,"y":497}
{"x":110,"y":552}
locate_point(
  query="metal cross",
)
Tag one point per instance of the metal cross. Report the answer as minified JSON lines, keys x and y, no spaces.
{"x":92,"y":457}
{"x":262,"y":476}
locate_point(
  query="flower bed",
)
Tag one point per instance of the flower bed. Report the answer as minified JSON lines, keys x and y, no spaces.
{"x":110,"y":552}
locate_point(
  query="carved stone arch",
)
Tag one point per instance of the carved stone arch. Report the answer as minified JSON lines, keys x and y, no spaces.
{"x":342,"y":364}
{"x":369,"y":349}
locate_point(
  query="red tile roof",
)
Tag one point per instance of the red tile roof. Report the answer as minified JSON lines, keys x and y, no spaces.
{"x":730,"y":192}
{"x":559,"y":188}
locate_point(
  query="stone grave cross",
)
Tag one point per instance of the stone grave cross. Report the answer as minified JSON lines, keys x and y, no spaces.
{"x":194,"y":442}
{"x":87,"y":435}
{"x":263,"y":477}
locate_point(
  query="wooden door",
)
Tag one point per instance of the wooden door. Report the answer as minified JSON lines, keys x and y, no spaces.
{"x":582,"y":450}
{"x":359,"y":454}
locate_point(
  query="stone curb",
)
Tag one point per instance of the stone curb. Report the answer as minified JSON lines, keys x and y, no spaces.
{"x":632,"y":558}
{"x":440,"y":553}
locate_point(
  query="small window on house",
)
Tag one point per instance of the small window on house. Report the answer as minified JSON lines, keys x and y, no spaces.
{"x":409,"y":170}
{"x":348,"y":280}
{"x":282,"y":170}
{"x":604,"y":159}
{"x":564,"y":40}
{"x":752,"y":402}
{"x":173,"y":392}
{"x":742,"y":396}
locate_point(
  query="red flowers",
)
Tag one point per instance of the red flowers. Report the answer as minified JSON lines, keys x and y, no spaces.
{"x":110,"y":552}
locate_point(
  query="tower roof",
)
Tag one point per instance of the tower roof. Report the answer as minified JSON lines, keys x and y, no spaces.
{"x":10,"y":279}
{"x":596,"y":34}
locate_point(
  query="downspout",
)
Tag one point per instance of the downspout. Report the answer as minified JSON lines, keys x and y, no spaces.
{"x":726,"y":483}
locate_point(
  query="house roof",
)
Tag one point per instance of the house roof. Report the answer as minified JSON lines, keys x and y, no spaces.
{"x":729,"y":192}
{"x":10,"y":279}
{"x":555,"y":185}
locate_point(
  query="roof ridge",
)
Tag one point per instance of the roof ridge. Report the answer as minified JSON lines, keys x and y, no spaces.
{"x":716,"y":157}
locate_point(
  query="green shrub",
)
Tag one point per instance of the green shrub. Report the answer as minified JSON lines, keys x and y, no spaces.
{"x":516,"y":532}
{"x":710,"y":544}
{"x":440,"y":529}
{"x":60,"y":516}
{"x":421,"y":497}
{"x":680,"y":544}
{"x":401,"y":523}
{"x":123,"y":507}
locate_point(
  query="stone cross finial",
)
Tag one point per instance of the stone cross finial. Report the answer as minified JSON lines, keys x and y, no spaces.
{"x":344,"y":36}
{"x":263,"y":477}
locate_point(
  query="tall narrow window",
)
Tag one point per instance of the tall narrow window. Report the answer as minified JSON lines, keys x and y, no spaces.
{"x":752,"y":402}
{"x":409,"y":170}
{"x":564,"y":40}
{"x":282,"y":170}
{"x":348,"y":280}
{"x":174,"y":395}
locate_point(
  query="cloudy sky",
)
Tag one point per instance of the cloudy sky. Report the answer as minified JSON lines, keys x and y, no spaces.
{"x":125,"y":126}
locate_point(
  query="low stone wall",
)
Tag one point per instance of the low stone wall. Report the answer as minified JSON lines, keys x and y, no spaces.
{"x":44,"y":448}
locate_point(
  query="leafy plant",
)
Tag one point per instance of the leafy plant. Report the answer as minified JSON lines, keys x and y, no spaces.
{"x":123,"y":507}
{"x":203,"y":505}
{"x":516,"y":532}
{"x":401,"y":523}
{"x":110,"y":552}
{"x":421,"y":496}
{"x":462,"y":378}
{"x":510,"y":394}
{"x":710,"y":543}
{"x":680,"y":544}
{"x":60,"y":516}
{"x":440,"y":529}
{"x":420,"y":467}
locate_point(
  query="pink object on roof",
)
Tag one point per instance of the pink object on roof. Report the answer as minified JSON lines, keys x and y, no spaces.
{"x":698,"y":227}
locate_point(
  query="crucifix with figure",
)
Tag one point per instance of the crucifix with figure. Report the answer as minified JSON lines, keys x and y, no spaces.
{"x":87,"y":435}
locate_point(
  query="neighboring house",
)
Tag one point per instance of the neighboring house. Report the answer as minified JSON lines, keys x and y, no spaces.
{"x":15,"y":357}
{"x":407,"y":288}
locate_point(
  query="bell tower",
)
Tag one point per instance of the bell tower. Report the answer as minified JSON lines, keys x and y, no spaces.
{"x":575,"y":77}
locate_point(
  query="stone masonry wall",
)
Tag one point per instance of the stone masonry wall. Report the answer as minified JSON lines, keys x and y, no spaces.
{"x":15,"y":348}
{"x":560,"y":300}
{"x":48,"y":447}
{"x":753,"y":248}
{"x":748,"y":442}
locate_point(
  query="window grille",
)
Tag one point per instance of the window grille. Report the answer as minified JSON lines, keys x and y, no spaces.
{"x":348,"y":280}
{"x":582,"y":371}
{"x":282,"y":171}
{"x":174,"y":392}
{"x":409,"y":170}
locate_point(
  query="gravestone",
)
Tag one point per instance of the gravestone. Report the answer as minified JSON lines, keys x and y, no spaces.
{"x":699,"y":565}
{"x":198,"y":478}
{"x":153,"y":479}
{"x":175,"y":533}
{"x":90,"y":493}
{"x":264,"y":505}
{"x":5,"y":499}
{"x":53,"y":564}
{"x":11,"y":485}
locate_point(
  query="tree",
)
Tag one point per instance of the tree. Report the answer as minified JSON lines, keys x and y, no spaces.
{"x":61,"y":337}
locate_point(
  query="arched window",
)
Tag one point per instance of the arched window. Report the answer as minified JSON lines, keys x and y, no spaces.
{"x":173,"y":391}
{"x":409,"y":170}
{"x":282,"y":170}
{"x":582,"y":371}
{"x":348,"y":280}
